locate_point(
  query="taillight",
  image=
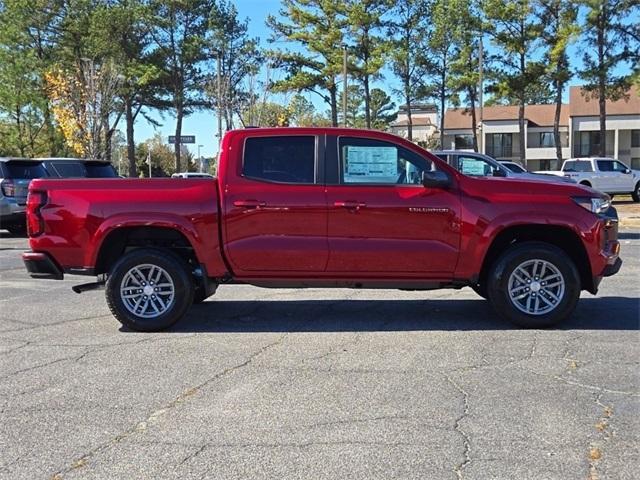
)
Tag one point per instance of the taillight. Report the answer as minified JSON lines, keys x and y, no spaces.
{"x":8,"y":187}
{"x":35,"y":223}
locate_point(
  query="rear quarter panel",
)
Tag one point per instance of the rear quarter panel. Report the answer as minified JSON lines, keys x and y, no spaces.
{"x":80,"y":213}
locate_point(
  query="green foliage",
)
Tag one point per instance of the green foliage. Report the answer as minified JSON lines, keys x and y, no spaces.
{"x":317,"y":27}
{"x":240,"y":59}
{"x":409,"y":30}
{"x":162,"y":158}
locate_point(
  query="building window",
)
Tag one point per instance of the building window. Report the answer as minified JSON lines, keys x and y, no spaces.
{"x":464,"y":142}
{"x":587,"y":144}
{"x":635,"y":138}
{"x":499,"y":145}
{"x":546,"y":139}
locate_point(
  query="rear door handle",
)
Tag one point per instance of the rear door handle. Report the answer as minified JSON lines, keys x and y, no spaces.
{"x":350,"y":204}
{"x":249,"y":203}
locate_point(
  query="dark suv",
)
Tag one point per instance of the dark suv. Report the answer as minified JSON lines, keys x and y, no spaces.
{"x":17,"y":173}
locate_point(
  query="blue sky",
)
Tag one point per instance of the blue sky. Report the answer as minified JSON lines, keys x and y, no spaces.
{"x":204,"y":124}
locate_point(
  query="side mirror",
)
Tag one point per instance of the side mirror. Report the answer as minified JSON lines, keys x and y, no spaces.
{"x":626,"y":170}
{"x":499,"y":173}
{"x":435,"y":179}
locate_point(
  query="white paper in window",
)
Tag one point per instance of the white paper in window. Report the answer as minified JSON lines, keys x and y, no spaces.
{"x":371,"y":164}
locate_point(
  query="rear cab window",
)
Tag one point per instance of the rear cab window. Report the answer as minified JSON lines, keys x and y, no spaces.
{"x":280,"y":159}
{"x":376,"y":162}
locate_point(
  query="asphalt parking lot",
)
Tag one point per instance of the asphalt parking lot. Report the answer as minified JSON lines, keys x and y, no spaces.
{"x":317,"y":384}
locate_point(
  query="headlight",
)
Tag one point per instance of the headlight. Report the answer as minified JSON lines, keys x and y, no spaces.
{"x":594,"y":204}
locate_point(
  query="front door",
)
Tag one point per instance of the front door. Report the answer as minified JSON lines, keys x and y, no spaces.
{"x":275,"y":207}
{"x":381,"y":218}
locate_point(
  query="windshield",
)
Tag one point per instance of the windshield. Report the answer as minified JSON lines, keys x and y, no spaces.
{"x":514,"y":167}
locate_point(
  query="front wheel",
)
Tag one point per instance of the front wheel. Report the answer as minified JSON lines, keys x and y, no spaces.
{"x":636,"y":193}
{"x":534,"y":285}
{"x":149,"y":290}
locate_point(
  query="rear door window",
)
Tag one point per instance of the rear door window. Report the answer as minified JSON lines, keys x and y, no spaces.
{"x":25,"y":170}
{"x":68,"y":169}
{"x":284,"y":159}
{"x":100,"y":170}
{"x":577,"y":166}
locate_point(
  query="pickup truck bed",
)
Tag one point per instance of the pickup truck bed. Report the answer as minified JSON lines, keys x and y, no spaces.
{"x":326,"y":208}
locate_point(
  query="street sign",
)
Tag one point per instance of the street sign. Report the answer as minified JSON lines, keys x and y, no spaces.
{"x":183,"y":139}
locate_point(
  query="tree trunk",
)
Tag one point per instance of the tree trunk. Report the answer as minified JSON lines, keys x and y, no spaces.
{"x":442,"y":103}
{"x":523,"y":152}
{"x":333,"y":96}
{"x":51,"y":132}
{"x":474,"y":122}
{"x":131,"y":146}
{"x":556,"y":122}
{"x":179,"y":115}
{"x":602,"y":81}
{"x":407,"y":98}
{"x":367,"y":101}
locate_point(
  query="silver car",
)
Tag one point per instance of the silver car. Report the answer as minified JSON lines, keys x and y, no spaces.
{"x":15,"y":176}
{"x":481,"y":165}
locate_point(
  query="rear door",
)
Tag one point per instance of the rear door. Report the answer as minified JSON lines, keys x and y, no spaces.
{"x":275,"y":206}
{"x":382,"y":220}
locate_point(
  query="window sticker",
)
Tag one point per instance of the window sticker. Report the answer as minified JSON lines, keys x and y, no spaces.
{"x":473,"y":167}
{"x":370,"y":164}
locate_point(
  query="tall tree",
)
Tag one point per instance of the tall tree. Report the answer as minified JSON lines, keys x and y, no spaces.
{"x":316,"y":26}
{"x":382,"y":109}
{"x":408,"y":29}
{"x":121,"y":30}
{"x":179,"y":33}
{"x":366,"y":24}
{"x":464,"y":75}
{"x":239,"y":58}
{"x":442,"y":45}
{"x":355,"y":117}
{"x":608,"y":44}
{"x":560,"y":29}
{"x":515,"y":33}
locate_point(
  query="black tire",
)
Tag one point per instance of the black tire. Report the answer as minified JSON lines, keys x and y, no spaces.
{"x":175,"y":272}
{"x":586,"y":184}
{"x":636,"y":193}
{"x":199,"y":294}
{"x":17,"y":230}
{"x":517,"y":256}
{"x":480,"y":290}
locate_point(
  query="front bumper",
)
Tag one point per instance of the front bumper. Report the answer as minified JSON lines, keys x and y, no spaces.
{"x":41,"y":265}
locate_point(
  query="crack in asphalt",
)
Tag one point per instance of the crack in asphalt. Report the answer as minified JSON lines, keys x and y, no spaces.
{"x":141,"y":426}
{"x":466,"y":441}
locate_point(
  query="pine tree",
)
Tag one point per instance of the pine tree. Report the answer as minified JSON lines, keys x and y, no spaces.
{"x":560,"y":30}
{"x":515,"y":35}
{"x":408,"y":29}
{"x":316,"y":26}
{"x":609,"y":42}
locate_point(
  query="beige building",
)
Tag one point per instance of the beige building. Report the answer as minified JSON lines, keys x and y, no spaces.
{"x":579,"y":131}
{"x":424,"y":121}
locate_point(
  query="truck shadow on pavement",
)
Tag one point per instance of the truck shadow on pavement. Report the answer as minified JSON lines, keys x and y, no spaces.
{"x":604,"y":313}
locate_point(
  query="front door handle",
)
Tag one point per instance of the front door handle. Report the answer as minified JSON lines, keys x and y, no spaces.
{"x":350,"y":204}
{"x":249,"y":203}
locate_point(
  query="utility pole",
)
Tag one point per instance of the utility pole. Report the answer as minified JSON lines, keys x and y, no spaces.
{"x":149,"y":161}
{"x":344,"y":85}
{"x":200,"y":159}
{"x":219,"y":95}
{"x":480,"y":92}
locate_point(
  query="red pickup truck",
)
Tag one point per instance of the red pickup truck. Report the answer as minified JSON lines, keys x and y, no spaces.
{"x":323,"y":207}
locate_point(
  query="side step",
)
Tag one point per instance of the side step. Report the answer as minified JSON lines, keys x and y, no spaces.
{"x":85,"y":287}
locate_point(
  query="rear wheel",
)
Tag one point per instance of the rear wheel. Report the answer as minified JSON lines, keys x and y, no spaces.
{"x":534,"y":285}
{"x":636,"y":193}
{"x":586,"y":184}
{"x":149,"y":290}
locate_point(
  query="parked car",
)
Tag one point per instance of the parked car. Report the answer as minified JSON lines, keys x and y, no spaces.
{"x":514,"y":167}
{"x":15,"y":175}
{"x":481,"y":165}
{"x":191,"y":175}
{"x":324,"y":207}
{"x":605,"y":174}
